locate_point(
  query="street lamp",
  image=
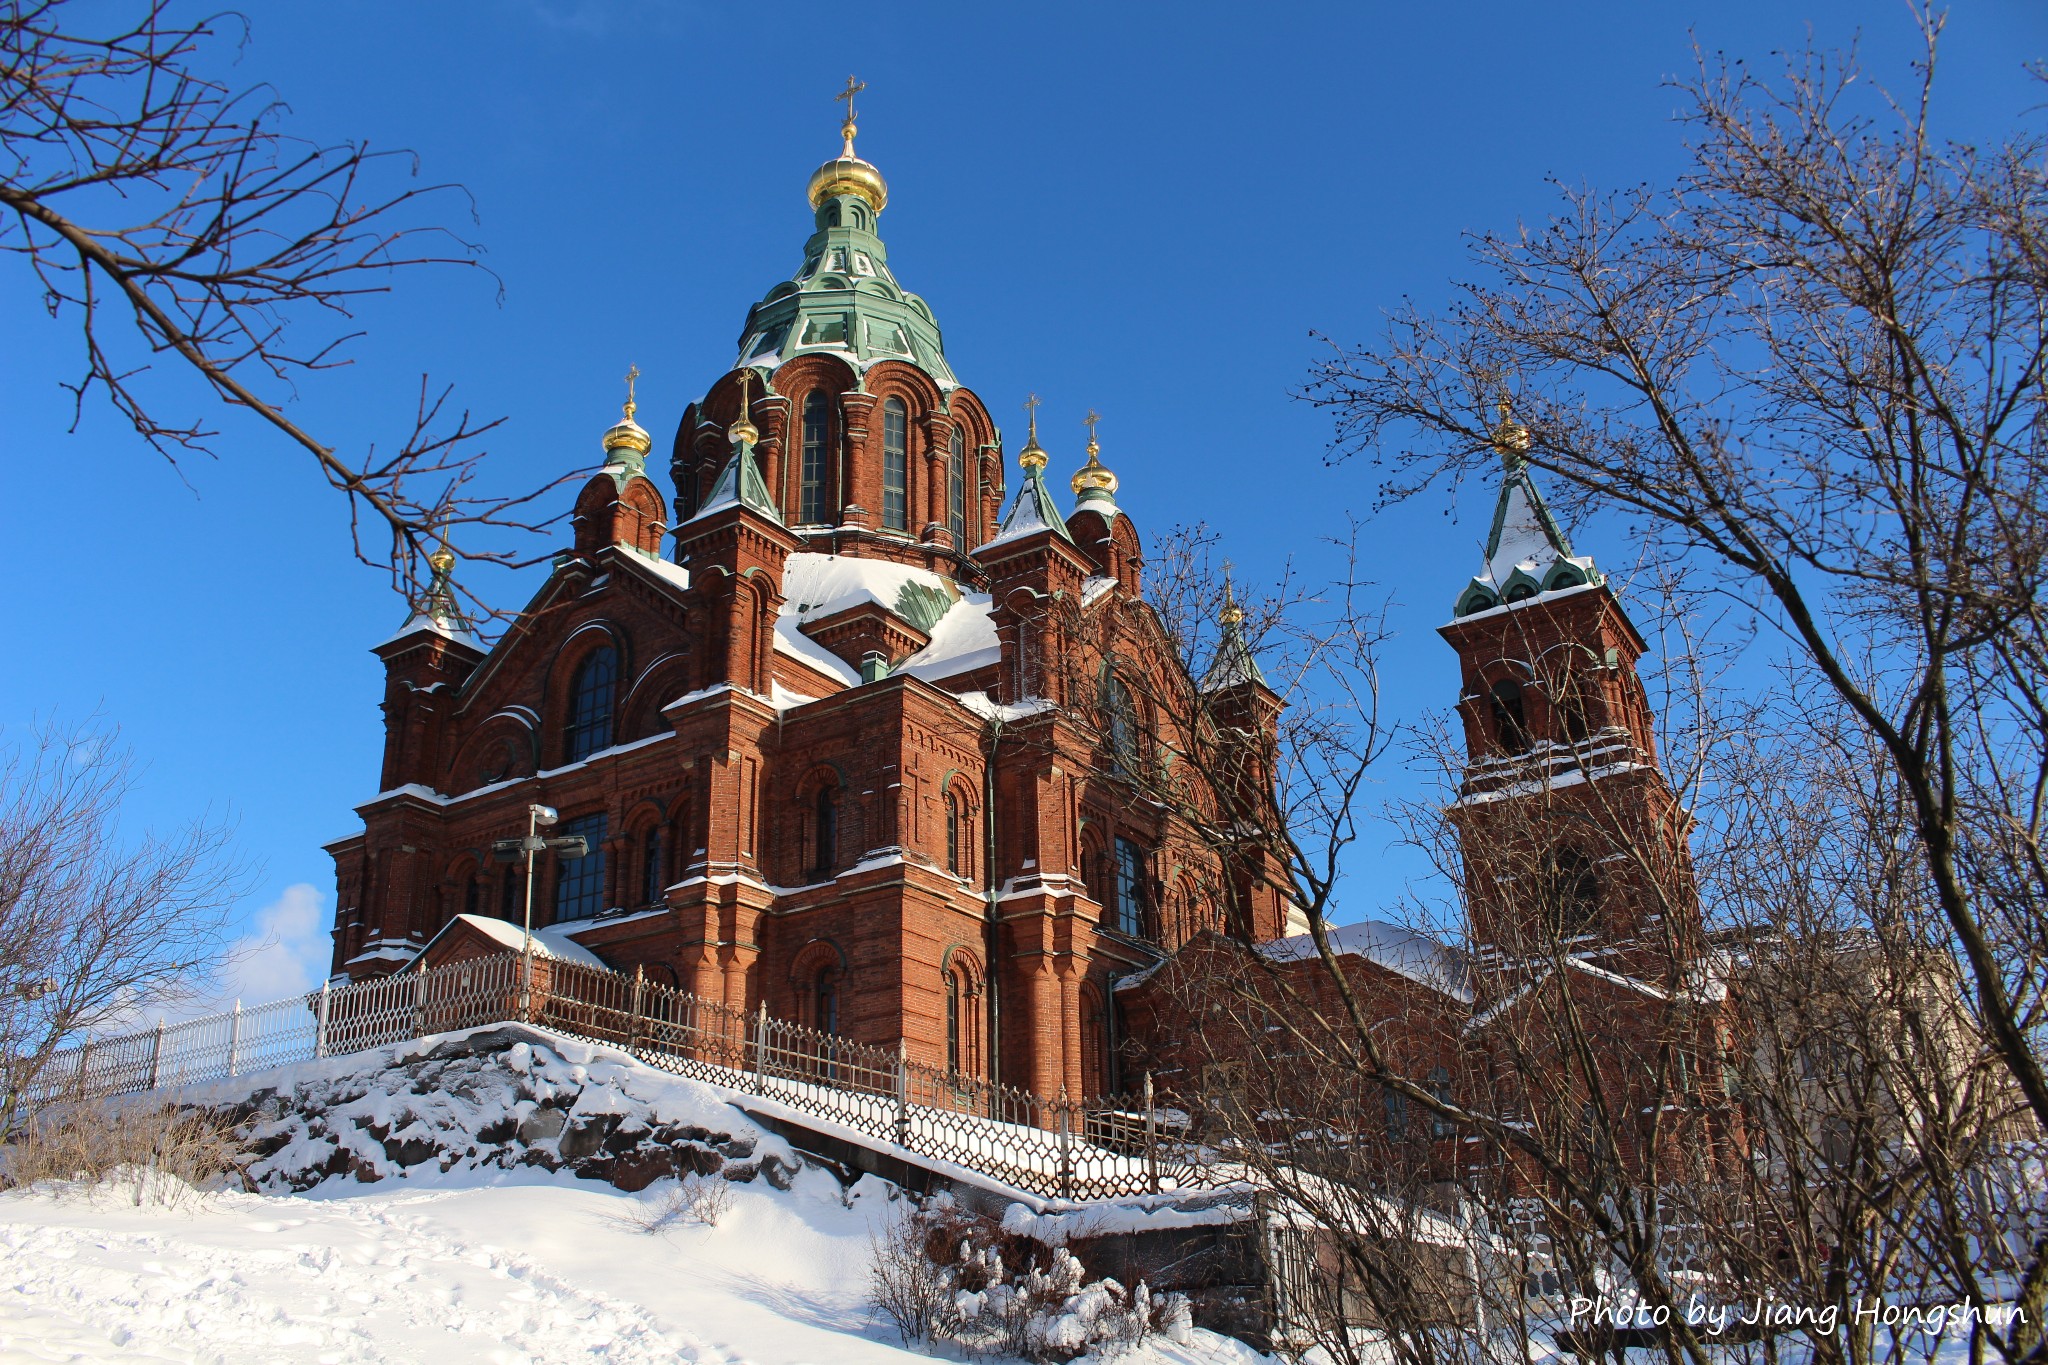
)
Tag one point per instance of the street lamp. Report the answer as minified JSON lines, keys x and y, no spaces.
{"x":508,"y":851}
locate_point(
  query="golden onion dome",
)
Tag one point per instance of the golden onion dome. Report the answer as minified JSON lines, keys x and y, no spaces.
{"x":1510,"y":438}
{"x":628,"y":435}
{"x":848,"y":174}
{"x":1093,"y":477}
{"x":442,"y":561}
{"x":1033,"y":455}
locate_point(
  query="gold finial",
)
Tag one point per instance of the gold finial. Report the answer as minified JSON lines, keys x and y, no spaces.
{"x":1033,"y":456}
{"x":1510,"y":438}
{"x":442,"y":560}
{"x":1092,"y":478}
{"x":743,"y":429}
{"x":626,"y":434}
{"x":847,"y":129}
{"x":1232,"y":613}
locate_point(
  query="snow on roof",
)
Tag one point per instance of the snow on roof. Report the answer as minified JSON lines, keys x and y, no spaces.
{"x":553,"y":941}
{"x":963,"y":640}
{"x":793,"y":642}
{"x":421,"y":621}
{"x":1400,"y":950}
{"x":820,"y":585}
{"x":981,"y":705}
{"x":674,"y":573}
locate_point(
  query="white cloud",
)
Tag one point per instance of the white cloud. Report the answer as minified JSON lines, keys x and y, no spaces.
{"x":287,"y":955}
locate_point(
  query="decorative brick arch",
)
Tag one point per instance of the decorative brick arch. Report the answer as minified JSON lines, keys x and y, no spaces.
{"x":819,"y":974}
{"x":577,"y":646}
{"x":962,"y":978}
{"x":503,"y":746}
{"x":658,"y":684}
{"x":960,"y":824}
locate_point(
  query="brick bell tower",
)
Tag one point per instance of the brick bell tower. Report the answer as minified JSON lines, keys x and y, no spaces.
{"x":1573,"y":841}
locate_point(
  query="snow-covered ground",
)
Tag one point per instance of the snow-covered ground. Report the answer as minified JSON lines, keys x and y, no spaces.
{"x":472,"y":1266}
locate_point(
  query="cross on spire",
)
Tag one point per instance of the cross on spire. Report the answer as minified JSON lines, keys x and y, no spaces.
{"x":1094,"y":447}
{"x":847,"y":129}
{"x":1031,"y":407}
{"x":632,"y":373}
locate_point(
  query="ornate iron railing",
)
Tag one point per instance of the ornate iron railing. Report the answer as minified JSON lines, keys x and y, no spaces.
{"x":1054,"y":1146}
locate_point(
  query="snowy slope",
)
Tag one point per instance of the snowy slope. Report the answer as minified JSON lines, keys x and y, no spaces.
{"x":465,"y":1246}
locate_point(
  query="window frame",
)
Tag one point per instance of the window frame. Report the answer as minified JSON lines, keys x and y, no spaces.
{"x":895,"y":465}
{"x":956,"y":488}
{"x":591,"y":716}
{"x":814,"y":459}
{"x":584,"y":877}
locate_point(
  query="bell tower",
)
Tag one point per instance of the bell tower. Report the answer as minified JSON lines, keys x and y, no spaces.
{"x":1573,"y":841}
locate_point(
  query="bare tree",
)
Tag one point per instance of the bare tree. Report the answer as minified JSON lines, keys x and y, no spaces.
{"x":170,"y":214}
{"x":93,"y":924}
{"x":1815,"y":372}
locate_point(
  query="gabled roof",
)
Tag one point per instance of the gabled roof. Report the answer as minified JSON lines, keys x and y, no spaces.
{"x":740,"y":484}
{"x":1033,"y":510}
{"x":1527,"y":552}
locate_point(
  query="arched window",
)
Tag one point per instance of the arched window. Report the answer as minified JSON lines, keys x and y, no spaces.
{"x":1571,"y":709}
{"x":956,"y":834}
{"x":823,"y":1004}
{"x":1128,"y":909}
{"x":1094,"y":1042}
{"x":512,"y":892}
{"x":810,"y":506}
{"x":652,"y":882}
{"x":1120,"y":719}
{"x":1510,"y":724}
{"x":472,"y":891}
{"x":1440,"y":1090}
{"x":895,"y":465}
{"x":956,"y":489}
{"x":1571,"y":893}
{"x":590,"y":705}
{"x":825,"y":833}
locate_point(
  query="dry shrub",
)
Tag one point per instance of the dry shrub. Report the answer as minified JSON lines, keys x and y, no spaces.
{"x":943,"y":1274}
{"x":157,"y":1153}
{"x":699,"y":1200}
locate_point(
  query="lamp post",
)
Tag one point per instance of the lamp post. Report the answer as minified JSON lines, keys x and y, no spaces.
{"x":536,"y":816}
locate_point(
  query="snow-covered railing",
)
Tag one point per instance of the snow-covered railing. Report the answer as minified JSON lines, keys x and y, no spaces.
{"x":1050,"y":1146}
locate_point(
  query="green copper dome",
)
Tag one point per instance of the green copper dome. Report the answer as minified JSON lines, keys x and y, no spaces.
{"x":843,"y":301}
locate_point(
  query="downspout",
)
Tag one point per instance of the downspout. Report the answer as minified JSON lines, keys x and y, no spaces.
{"x":991,"y":928}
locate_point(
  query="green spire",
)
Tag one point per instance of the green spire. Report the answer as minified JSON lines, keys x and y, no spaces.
{"x":1527,"y":552}
{"x":1034,"y":509}
{"x":843,"y":300}
{"x":1234,"y":663}
{"x":740,"y":482}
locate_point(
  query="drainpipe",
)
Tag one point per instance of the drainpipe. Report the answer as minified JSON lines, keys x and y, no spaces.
{"x":991,"y":929}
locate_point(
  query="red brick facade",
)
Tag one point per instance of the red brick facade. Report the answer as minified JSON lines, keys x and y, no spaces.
{"x":840,"y":775}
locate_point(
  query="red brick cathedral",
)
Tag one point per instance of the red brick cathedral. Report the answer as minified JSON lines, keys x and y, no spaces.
{"x":813,"y":719}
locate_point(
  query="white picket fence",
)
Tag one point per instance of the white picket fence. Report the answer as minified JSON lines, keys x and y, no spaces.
{"x":1051,"y":1146}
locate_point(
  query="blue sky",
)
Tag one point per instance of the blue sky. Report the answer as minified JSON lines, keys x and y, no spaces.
{"x":1144,"y":209}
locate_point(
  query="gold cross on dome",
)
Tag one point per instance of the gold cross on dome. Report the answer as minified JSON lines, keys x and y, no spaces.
{"x":1031,"y":407}
{"x":846,"y":128}
{"x":1089,"y":422}
{"x":632,"y":373}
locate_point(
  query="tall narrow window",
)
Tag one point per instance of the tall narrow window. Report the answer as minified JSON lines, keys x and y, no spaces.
{"x":590,"y":705}
{"x":579,"y":888}
{"x":1121,"y":721}
{"x":824,"y":1001}
{"x":810,"y":507}
{"x":1397,"y":1115}
{"x":1510,"y":724}
{"x":1129,"y":911}
{"x":1571,"y":893}
{"x":1571,"y":709}
{"x":651,"y":880}
{"x":895,"y":465}
{"x":825,"y":833}
{"x":1440,"y":1091}
{"x":956,"y":489}
{"x":952,"y":834}
{"x":952,"y":1021}
{"x":512,"y":893}
{"x":472,"y":893}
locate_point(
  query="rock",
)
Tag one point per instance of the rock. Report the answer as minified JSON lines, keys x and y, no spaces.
{"x":585,"y":1137}
{"x":541,"y":1125}
{"x":411,"y":1151}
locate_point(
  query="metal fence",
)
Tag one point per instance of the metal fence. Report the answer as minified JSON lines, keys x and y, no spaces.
{"x":1111,"y":1145}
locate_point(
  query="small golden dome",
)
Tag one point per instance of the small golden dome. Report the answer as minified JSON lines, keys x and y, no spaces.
{"x":628,"y":435}
{"x":1093,"y":476}
{"x":848,"y":174}
{"x":1510,"y":438}
{"x":1033,"y":455}
{"x":743,"y":431}
{"x":442,"y":560}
